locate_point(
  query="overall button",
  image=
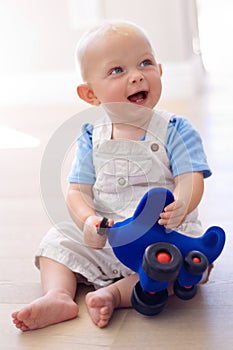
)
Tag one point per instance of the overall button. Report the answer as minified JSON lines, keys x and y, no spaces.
{"x":121,"y":181}
{"x":154,"y":147}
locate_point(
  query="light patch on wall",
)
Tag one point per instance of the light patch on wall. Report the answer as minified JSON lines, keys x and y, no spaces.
{"x":84,"y":14}
{"x":215,"y":27}
{"x":11,"y":138}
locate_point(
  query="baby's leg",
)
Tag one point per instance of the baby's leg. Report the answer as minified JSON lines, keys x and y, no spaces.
{"x":57,"y":303}
{"x":102,"y":302}
{"x":206,"y":274}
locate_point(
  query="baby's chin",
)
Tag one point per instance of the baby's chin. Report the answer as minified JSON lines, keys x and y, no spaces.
{"x":127,"y":112}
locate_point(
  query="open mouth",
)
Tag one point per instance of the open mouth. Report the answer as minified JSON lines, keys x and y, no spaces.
{"x":139,"y":97}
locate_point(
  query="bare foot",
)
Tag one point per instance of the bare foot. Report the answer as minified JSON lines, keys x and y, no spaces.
{"x":101,"y":305}
{"x":52,"y":308}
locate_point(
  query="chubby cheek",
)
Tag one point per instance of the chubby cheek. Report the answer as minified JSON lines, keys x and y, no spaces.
{"x":156,"y":92}
{"x":113,"y":93}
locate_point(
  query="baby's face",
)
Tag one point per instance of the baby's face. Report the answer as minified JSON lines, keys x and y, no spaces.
{"x":122,"y":68}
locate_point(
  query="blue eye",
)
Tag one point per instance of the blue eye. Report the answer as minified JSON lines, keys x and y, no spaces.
{"x":146,"y":63}
{"x":116,"y":70}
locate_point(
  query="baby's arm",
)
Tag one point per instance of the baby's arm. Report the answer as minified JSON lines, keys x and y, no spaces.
{"x":188,"y":192}
{"x":81,"y":208}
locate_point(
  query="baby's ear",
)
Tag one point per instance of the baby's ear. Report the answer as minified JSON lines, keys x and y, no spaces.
{"x":160,"y":69}
{"x":86,"y":93}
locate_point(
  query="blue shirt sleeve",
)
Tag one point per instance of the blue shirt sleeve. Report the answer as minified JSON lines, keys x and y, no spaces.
{"x":82,"y":170}
{"x":185,"y":149}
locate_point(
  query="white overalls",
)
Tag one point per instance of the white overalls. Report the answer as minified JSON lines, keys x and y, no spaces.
{"x":125,"y":171}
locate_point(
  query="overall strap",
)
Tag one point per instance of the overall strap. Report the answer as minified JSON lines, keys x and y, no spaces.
{"x":102,"y":131}
{"x":158,"y":126}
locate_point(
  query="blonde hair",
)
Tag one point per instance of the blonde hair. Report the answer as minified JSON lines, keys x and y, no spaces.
{"x":86,"y":41}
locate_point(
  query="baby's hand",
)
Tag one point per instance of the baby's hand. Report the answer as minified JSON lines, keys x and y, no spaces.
{"x":173,"y":215}
{"x":91,"y":237}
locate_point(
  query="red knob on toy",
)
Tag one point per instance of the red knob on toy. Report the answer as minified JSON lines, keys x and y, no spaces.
{"x":163,"y":257}
{"x":196,"y":260}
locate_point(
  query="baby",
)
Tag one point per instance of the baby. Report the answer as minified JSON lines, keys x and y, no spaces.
{"x":117,"y":161}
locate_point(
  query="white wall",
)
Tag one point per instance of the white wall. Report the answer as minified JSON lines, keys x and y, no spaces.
{"x":35,"y":36}
{"x":169,"y":24}
{"x":38,"y":38}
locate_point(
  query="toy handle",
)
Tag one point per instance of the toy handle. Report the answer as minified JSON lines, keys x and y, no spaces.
{"x":102,"y":227}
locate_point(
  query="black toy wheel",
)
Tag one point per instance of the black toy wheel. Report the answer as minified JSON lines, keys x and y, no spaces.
{"x":162,"y":261}
{"x":195,"y":262}
{"x":148,"y":304}
{"x":184,"y":293}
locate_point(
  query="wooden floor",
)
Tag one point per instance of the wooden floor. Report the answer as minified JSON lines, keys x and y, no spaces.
{"x":204,"y":323}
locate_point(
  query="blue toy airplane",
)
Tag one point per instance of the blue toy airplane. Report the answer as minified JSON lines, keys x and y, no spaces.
{"x":160,"y":256}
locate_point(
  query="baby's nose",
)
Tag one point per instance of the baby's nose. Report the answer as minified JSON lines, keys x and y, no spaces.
{"x":136,"y":77}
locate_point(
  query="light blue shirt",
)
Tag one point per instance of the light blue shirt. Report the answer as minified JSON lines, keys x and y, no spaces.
{"x":180,"y":135}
